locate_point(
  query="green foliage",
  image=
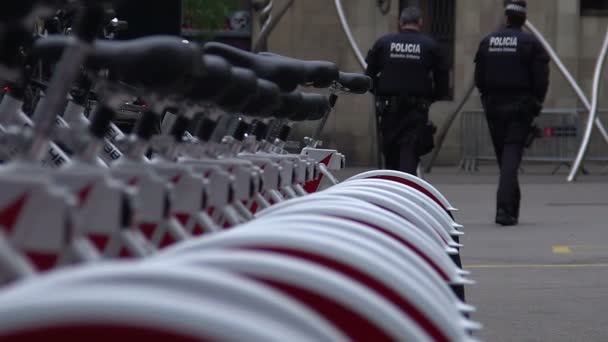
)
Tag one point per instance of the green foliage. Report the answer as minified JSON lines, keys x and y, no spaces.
{"x":207,"y":14}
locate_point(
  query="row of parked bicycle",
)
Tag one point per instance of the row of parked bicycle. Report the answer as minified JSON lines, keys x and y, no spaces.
{"x":198,"y":225}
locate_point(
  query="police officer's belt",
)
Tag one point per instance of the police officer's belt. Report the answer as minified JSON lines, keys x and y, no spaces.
{"x":395,"y":102}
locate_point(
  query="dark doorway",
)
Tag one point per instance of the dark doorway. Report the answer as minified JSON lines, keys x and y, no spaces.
{"x":148,"y":18}
{"x":594,"y":7}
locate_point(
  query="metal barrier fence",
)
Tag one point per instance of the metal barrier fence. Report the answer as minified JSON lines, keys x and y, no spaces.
{"x":562,"y":132}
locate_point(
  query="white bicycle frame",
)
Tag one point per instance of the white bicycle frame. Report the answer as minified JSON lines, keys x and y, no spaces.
{"x":359,"y":234}
{"x":213,"y":284}
{"x":409,"y":180}
{"x":376,"y":219}
{"x":134,"y":311}
{"x":314,"y":279}
{"x":432,"y":307}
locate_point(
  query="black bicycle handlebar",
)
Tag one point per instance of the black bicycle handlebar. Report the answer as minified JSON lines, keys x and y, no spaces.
{"x":354,"y":83}
{"x":290,"y":103}
{"x":243,"y":87}
{"x":163,"y":64}
{"x":286,"y":74}
{"x":319,"y":74}
{"x":313,"y":107}
{"x":213,"y":84}
{"x":266,"y":101}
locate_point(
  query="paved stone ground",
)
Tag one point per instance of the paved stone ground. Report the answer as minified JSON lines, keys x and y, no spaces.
{"x":546,"y":279}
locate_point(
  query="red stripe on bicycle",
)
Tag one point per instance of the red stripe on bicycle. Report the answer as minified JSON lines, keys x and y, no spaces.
{"x":313,"y":185}
{"x":412,"y":185}
{"x":148,"y":229}
{"x":10,"y":214}
{"x":83,"y":194}
{"x":42,"y":261}
{"x":167,"y":241}
{"x":182,"y":218}
{"x":403,"y":242}
{"x":198,"y":230}
{"x":99,"y":240}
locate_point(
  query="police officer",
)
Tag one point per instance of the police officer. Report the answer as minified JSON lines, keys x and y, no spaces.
{"x":409,"y":74}
{"x":512,"y":74}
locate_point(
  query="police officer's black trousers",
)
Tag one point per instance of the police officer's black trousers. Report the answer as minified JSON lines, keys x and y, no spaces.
{"x":401,"y":156}
{"x":403,"y":125}
{"x":509,"y":132}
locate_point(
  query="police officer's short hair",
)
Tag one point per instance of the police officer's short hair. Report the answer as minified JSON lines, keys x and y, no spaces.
{"x":517,"y":12}
{"x":410,"y":15}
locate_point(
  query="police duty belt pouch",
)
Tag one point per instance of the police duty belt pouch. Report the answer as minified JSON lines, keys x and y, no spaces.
{"x":530,"y":107}
{"x":534,"y":133}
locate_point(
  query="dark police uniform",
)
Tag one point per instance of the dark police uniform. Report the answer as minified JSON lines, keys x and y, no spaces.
{"x":512,"y":74}
{"x":409,"y":74}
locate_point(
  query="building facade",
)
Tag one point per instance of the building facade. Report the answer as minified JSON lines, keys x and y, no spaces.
{"x":311,"y":30}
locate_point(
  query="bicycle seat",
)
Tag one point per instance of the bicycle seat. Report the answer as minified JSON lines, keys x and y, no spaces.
{"x":214,"y":82}
{"x":290,"y":103}
{"x":319,"y":74}
{"x":286,"y":74}
{"x":163,"y":64}
{"x":354,"y":83}
{"x":313,"y":107}
{"x":266,"y":101}
{"x":243,"y":87}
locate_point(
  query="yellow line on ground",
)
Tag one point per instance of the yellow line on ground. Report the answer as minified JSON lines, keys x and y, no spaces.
{"x":561,"y":250}
{"x":589,"y":247}
{"x":538,"y":266}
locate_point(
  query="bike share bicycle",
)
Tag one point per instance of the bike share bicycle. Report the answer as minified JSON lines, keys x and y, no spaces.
{"x":204,"y":229}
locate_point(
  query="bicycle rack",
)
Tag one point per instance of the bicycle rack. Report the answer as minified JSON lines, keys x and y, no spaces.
{"x":207,"y":219}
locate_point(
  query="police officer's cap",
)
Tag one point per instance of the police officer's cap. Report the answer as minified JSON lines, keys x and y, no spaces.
{"x":517,"y":8}
{"x":410,"y":15}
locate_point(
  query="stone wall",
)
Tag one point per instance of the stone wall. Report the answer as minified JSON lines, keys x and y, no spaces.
{"x":311,"y":30}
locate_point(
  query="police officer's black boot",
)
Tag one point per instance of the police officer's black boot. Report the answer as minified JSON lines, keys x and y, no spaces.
{"x":505,"y":217}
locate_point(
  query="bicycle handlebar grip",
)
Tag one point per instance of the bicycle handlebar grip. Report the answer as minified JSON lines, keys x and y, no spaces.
{"x":355,"y":83}
{"x":211,"y":85}
{"x":313,"y":107}
{"x":163,"y":64}
{"x":286,"y":74}
{"x":159,"y":63}
{"x":290,"y":102}
{"x":319,"y":74}
{"x":243,"y":87}
{"x":266,"y":101}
